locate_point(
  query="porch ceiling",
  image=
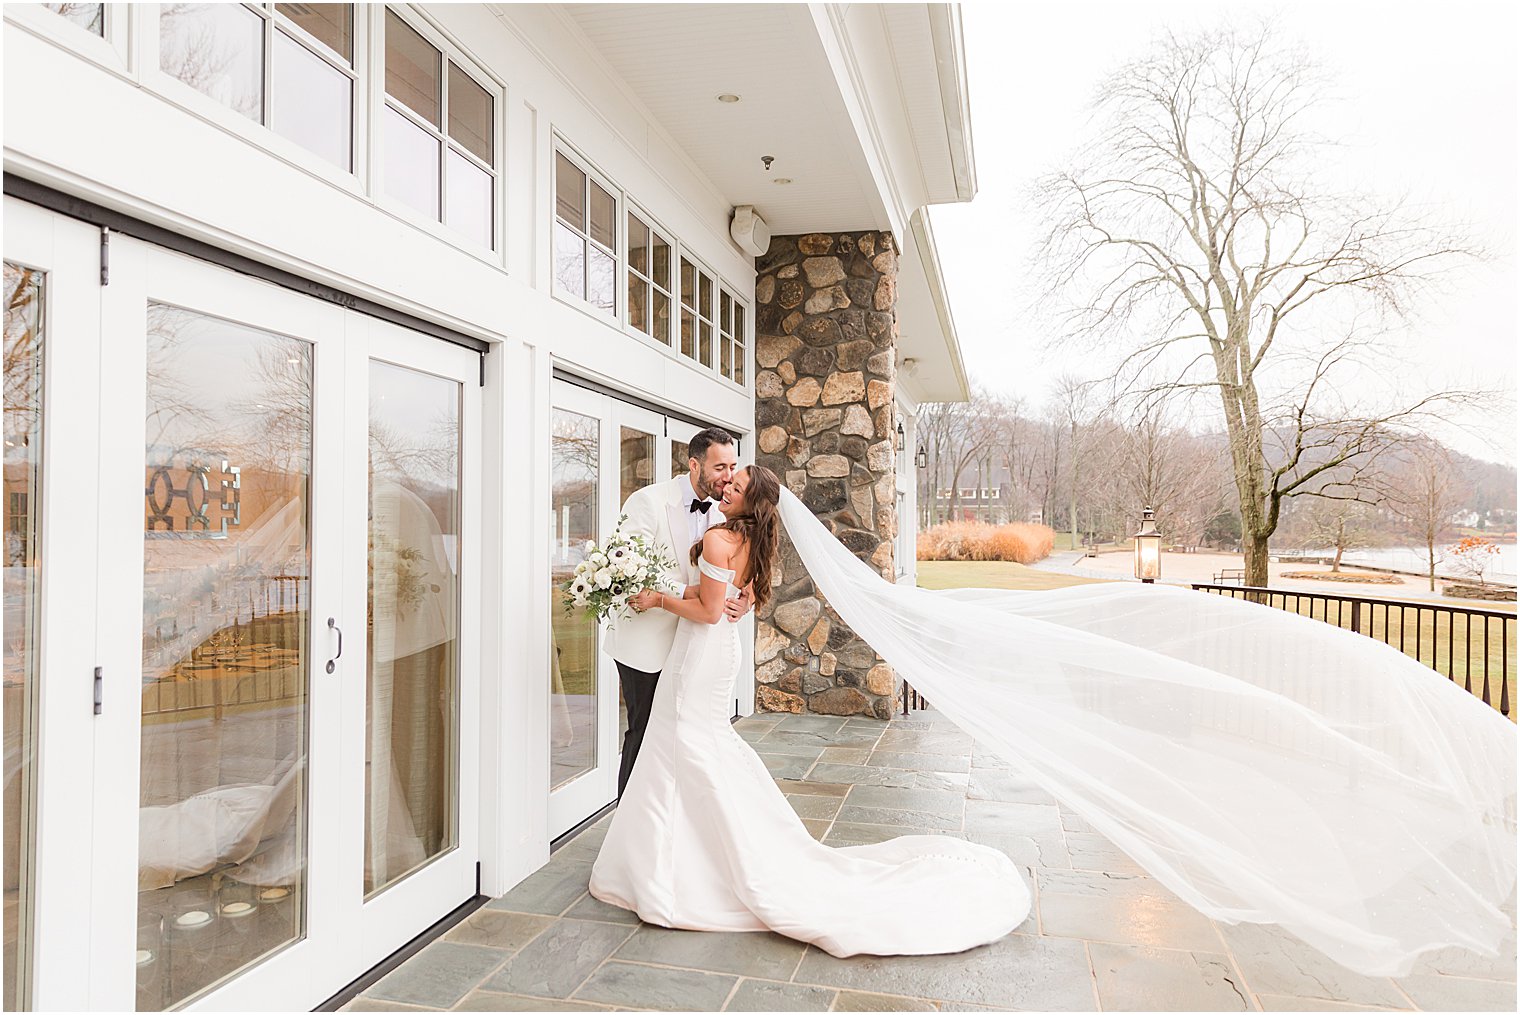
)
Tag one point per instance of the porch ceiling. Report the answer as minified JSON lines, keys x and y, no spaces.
{"x":678,"y":58}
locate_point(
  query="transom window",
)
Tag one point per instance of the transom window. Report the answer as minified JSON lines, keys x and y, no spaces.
{"x":649,"y":280}
{"x":659,"y":279}
{"x":440,"y":135}
{"x":697,"y":313}
{"x":304,"y":90}
{"x":585,"y":236}
{"x":731,"y":355}
{"x":90,"y":17}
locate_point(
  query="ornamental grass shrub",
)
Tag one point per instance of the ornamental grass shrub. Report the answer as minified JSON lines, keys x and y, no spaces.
{"x":1019,"y":542}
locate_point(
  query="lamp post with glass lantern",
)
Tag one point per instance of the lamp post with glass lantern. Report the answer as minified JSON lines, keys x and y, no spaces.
{"x":1148,"y":549}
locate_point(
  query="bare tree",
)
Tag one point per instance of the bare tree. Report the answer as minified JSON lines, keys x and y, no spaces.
{"x":1194,"y":230}
{"x":1427,"y":493}
{"x":1073,"y":406}
{"x":1340,"y":525}
{"x":957,"y":436}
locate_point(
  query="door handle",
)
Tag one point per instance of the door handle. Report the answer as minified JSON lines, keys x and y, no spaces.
{"x":332,"y":625}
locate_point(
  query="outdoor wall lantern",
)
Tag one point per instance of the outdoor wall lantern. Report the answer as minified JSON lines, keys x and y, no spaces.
{"x":902,"y":436}
{"x":1148,"y":549}
{"x":922,"y":457}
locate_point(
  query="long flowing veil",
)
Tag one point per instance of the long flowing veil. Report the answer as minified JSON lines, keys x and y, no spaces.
{"x":1265,"y":767}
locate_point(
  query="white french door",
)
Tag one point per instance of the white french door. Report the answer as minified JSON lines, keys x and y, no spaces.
{"x":265,"y":534}
{"x":52,"y":751}
{"x":411,"y":795}
{"x":604,"y":449}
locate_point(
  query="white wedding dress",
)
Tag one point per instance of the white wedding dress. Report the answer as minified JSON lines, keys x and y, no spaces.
{"x":1266,"y":767}
{"x":704,"y":840}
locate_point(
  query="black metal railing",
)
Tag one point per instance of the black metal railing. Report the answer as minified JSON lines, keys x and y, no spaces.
{"x":1466,"y":644}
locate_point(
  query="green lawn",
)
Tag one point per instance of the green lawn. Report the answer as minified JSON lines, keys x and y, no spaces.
{"x":1447,"y":650}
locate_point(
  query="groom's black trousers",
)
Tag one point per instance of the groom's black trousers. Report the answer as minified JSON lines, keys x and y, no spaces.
{"x":638,"y":697}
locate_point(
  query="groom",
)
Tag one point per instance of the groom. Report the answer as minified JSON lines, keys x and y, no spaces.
{"x":673,"y":515}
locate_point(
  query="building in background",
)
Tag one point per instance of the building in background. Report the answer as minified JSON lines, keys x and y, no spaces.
{"x":333,"y":331}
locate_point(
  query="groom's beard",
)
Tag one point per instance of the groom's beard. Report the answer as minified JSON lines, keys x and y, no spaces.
{"x":704,"y":489}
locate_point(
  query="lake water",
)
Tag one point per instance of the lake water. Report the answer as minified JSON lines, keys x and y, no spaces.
{"x":1409,"y":558}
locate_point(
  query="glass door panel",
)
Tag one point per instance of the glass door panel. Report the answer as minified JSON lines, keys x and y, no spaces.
{"x":409,"y":792}
{"x":575,"y":517}
{"x":680,"y":435}
{"x":412,"y":700}
{"x":222,"y":866}
{"x":25,"y":337}
{"x":638,"y":433}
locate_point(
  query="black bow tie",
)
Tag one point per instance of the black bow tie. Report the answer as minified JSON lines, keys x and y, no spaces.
{"x":700,"y":505}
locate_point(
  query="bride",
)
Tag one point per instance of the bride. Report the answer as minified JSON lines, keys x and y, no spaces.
{"x":1265,"y":767}
{"x":704,"y":840}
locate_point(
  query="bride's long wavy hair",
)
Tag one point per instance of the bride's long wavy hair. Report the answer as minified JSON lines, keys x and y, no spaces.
{"x":759,"y":527}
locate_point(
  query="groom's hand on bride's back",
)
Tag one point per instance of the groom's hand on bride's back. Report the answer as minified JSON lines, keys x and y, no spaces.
{"x":739,"y":605}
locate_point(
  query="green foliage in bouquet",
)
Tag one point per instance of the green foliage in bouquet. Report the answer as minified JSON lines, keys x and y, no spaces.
{"x":610,"y":574}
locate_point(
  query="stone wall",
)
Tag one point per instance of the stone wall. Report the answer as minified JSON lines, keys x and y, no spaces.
{"x":826,"y":327}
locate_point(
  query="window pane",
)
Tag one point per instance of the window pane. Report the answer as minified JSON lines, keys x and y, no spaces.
{"x":217,"y":49}
{"x":411,"y":164}
{"x":660,"y":318}
{"x":603,"y":215}
{"x":638,"y":303}
{"x":638,"y":244}
{"x":311,"y":102}
{"x":706,"y":350}
{"x":573,"y":659}
{"x":705,"y":308}
{"x":569,"y":192}
{"x":225,"y":629}
{"x":661,"y":265}
{"x":726,"y":362}
{"x":90,"y":17}
{"x":412,"y":742}
{"x":688,"y":334}
{"x":470,"y":115}
{"x":24,"y":342}
{"x":741,"y":351}
{"x":680,"y":458}
{"x":688,"y":284}
{"x":413,"y":69}
{"x":601,"y":280}
{"x":569,"y":260}
{"x":330,"y":24}
{"x":726,"y":313}
{"x":467,"y":204}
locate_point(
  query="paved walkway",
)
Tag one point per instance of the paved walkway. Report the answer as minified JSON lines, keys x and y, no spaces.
{"x":1103,"y":937}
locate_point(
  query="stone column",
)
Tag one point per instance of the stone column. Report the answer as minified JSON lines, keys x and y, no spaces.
{"x":826,"y":328}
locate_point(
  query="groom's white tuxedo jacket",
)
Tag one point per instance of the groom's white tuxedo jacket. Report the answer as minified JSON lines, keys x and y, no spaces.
{"x":660,"y":512}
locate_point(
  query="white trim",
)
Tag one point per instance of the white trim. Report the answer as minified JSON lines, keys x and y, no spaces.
{"x":928,"y":255}
{"x":950,"y":61}
{"x":111,"y":52}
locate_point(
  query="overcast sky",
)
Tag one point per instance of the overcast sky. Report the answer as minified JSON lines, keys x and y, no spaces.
{"x":1426,"y":106}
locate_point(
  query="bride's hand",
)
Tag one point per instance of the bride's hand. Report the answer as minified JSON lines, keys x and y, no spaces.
{"x":649,"y":599}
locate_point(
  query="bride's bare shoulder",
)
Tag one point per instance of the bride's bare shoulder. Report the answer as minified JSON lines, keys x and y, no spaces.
{"x":721,"y":544}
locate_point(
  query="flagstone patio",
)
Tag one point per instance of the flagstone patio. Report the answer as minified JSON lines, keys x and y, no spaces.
{"x":1102,"y":937}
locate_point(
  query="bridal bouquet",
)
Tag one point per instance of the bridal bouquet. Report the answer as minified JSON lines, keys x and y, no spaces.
{"x":611,"y":574}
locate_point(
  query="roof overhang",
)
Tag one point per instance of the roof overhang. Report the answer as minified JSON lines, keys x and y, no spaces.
{"x":864,"y":108}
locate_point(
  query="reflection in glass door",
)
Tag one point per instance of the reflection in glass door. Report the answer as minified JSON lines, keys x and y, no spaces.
{"x":574,"y":667}
{"x":24,"y":342}
{"x":636,"y":458}
{"x":225,"y":703}
{"x":412,"y":743}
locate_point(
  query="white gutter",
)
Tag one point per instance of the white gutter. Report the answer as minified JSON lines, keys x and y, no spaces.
{"x":928,"y":256}
{"x":950,"y":59}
